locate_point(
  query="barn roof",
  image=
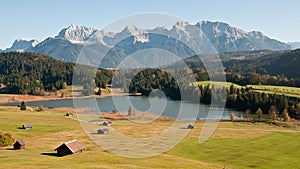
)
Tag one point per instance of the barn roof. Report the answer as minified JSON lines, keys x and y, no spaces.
{"x":190,"y":126}
{"x":107,"y":123}
{"x":27,"y":125}
{"x":73,"y":146}
{"x":104,"y":130}
{"x":20,"y":142}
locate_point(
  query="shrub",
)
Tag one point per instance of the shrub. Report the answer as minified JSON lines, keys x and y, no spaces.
{"x":6,"y":139}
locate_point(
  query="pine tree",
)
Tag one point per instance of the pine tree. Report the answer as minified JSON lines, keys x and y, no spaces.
{"x":259,"y":114}
{"x":273,"y":111}
{"x":232,"y":117}
{"x":247,"y":114}
{"x":23,"y":106}
{"x":286,"y":116}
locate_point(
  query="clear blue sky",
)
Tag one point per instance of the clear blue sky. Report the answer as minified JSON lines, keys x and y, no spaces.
{"x":38,"y":19}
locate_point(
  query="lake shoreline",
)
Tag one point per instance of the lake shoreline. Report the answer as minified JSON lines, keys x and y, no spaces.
{"x":46,"y":102}
{"x":16,"y":98}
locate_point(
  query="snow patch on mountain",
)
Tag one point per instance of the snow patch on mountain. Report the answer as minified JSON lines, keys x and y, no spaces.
{"x":139,"y":35}
{"x":22,"y":45}
{"x":76,"y":33}
{"x":220,"y":29}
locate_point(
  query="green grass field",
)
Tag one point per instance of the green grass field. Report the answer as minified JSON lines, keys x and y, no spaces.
{"x":227,"y":84}
{"x":235,"y":145}
{"x":283,"y":90}
{"x":276,"y":150}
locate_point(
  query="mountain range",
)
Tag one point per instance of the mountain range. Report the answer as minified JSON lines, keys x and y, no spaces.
{"x":181,"y":39}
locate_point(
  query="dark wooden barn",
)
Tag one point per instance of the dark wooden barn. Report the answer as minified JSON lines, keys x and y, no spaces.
{"x":190,"y":126}
{"x":20,"y":144}
{"x":27,"y":126}
{"x":107,"y":123}
{"x":103,"y":131}
{"x":69,"y":114}
{"x":71,"y":147}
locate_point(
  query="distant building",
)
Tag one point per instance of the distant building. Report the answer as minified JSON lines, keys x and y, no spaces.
{"x":103,"y":131}
{"x":20,"y":144}
{"x":69,"y":114}
{"x":27,"y":126}
{"x":107,"y":123}
{"x":71,"y":147}
{"x":190,"y":126}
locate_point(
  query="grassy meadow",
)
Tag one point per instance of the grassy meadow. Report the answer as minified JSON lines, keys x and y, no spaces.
{"x":221,"y":84}
{"x":234,"y":145}
{"x":282,"y":90}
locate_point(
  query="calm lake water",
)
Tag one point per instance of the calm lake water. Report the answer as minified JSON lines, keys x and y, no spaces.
{"x":156,"y":105}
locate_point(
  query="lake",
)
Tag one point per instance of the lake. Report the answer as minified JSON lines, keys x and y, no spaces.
{"x":156,"y":105}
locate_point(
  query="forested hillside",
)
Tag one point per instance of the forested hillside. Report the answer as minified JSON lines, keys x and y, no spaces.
{"x":256,"y":67}
{"x":30,"y":73}
{"x":278,"y":63}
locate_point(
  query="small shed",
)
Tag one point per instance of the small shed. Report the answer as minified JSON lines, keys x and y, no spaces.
{"x":103,"y":131}
{"x":71,"y":147}
{"x":107,"y":123}
{"x":69,"y":114}
{"x":190,"y":126}
{"x":27,"y":126}
{"x":20,"y":144}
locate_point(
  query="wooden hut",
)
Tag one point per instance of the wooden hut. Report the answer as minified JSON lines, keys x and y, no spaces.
{"x":69,"y":114}
{"x":190,"y":126}
{"x":20,"y":144}
{"x":71,"y":147}
{"x":27,"y":126}
{"x":103,"y":131}
{"x":107,"y":123}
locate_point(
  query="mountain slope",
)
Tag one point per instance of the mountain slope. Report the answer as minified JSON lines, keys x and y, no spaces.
{"x":226,"y":38}
{"x":22,"y":45}
{"x":294,"y":45}
{"x":277,"y":63}
{"x":60,"y":49}
{"x":273,"y":63}
{"x":30,"y":73}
